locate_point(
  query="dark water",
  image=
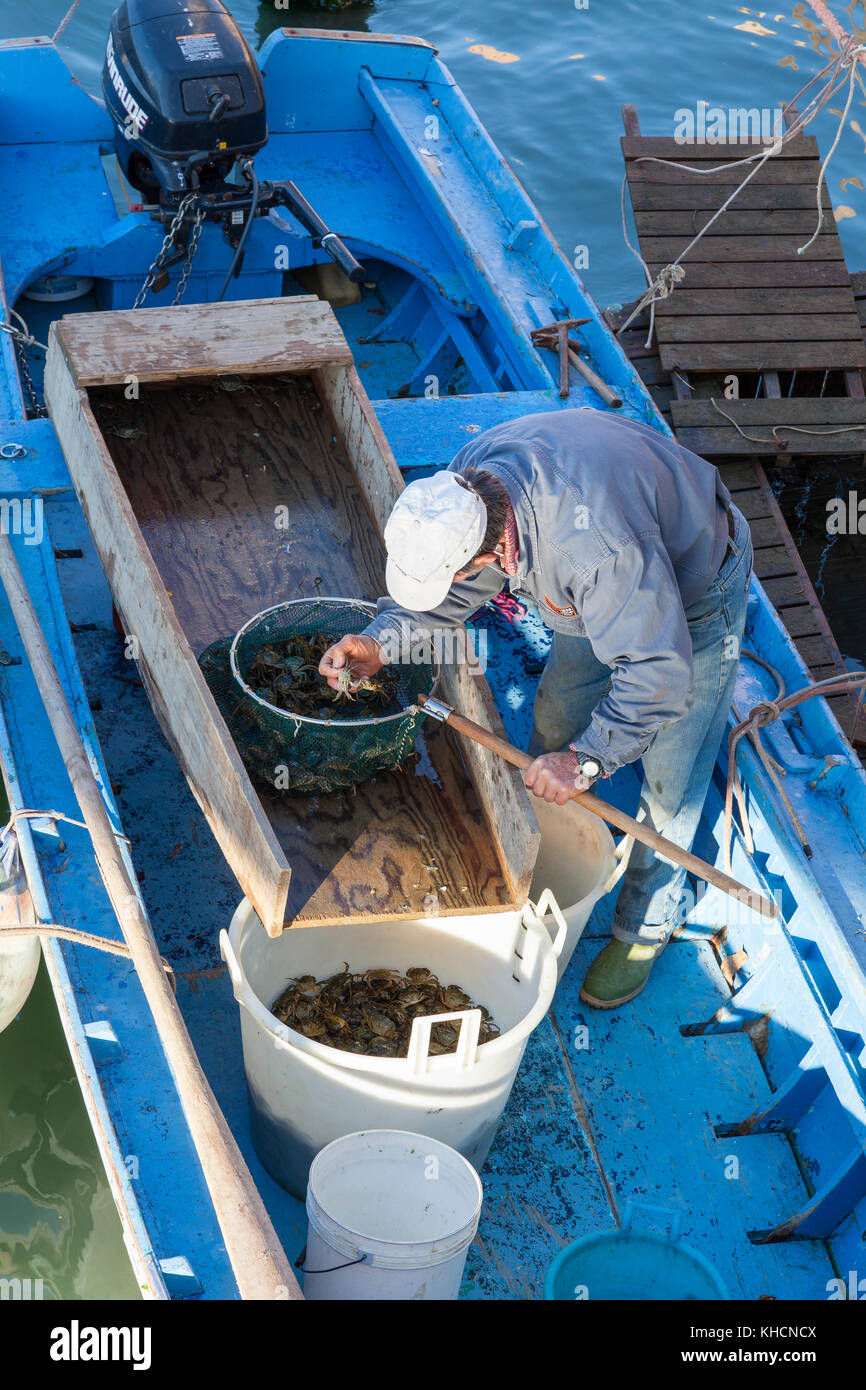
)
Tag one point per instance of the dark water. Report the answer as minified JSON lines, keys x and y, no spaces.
{"x":548,"y":79}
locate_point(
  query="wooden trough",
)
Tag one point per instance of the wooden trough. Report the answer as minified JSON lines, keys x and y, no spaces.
{"x":186,"y":441}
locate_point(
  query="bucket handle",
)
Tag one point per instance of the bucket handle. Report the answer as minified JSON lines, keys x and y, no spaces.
{"x":547,"y":903}
{"x":467,"y":1041}
{"x":674,"y":1217}
{"x":227,"y":951}
{"x":622,"y":854}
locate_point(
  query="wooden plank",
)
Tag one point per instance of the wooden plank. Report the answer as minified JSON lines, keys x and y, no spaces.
{"x":806,"y":585}
{"x":765,"y":531}
{"x":772,"y":561}
{"x":165,"y":344}
{"x":769,"y":327}
{"x":741,"y":248}
{"x":630,"y":119}
{"x":789,"y":410}
{"x":752,"y":505}
{"x":733,"y":222}
{"x":359,"y":36}
{"x":666,"y":147}
{"x":738,"y":476}
{"x":801,"y":622}
{"x":504,"y":798}
{"x":807,"y":300}
{"x":743,"y":356}
{"x":784,"y":593}
{"x":700,"y":195}
{"x":718,"y":443}
{"x":204,"y":482}
{"x":195,"y":729}
{"x":858,"y":282}
{"x":775,"y":171}
{"x":815,"y":651}
{"x":774,"y":273}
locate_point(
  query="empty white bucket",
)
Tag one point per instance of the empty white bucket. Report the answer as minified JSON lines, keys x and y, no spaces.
{"x":391,"y":1216}
{"x":304,"y":1094}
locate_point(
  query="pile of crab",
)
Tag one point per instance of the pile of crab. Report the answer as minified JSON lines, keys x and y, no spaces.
{"x":286,"y":674}
{"x":372,"y":1012}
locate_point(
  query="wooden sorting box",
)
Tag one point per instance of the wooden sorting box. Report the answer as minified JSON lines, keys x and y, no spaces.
{"x":183,"y":438}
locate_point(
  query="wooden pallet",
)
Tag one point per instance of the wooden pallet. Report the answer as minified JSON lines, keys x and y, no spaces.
{"x":749,"y":300}
{"x":749,"y":304}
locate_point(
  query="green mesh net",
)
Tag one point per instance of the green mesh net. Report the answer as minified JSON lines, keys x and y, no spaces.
{"x":291,"y":752}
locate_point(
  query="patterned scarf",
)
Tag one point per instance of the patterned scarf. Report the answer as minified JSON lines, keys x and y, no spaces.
{"x":510,"y":544}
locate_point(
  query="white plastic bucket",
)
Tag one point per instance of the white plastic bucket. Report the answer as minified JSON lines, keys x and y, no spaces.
{"x":577,"y":864}
{"x":58,"y":289}
{"x":304,"y":1094}
{"x":391,"y":1216}
{"x":19,"y":962}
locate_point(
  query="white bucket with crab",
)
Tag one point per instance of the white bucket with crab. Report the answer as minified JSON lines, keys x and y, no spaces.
{"x":304,"y":1094}
{"x":390,"y":1215}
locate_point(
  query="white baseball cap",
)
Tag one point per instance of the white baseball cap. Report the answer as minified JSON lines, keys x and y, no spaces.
{"x":436,"y":527}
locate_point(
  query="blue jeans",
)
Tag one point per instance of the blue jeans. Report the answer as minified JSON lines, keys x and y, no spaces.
{"x":678,"y":765}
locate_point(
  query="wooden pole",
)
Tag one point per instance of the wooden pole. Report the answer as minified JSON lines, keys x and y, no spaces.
{"x":595,"y":381}
{"x":257,"y":1258}
{"x":562,"y":349}
{"x":624,"y":822}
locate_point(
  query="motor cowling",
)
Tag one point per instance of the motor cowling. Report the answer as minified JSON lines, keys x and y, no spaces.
{"x":185,"y":94}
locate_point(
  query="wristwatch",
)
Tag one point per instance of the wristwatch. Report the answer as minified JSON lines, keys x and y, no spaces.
{"x":588,"y":766}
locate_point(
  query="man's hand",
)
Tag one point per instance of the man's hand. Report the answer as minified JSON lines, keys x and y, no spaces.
{"x":363,"y":654}
{"x":555,"y":777}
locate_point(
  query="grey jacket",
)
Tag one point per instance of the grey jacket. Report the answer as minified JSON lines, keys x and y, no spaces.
{"x":621,"y":530}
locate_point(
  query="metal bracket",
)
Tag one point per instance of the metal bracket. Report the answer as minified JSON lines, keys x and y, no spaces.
{"x":437,"y":710}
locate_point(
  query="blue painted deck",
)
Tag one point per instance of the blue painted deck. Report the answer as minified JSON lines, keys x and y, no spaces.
{"x":626,"y":1110}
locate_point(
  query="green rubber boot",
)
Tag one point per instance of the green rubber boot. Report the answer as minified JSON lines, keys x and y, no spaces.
{"x":618,"y":973}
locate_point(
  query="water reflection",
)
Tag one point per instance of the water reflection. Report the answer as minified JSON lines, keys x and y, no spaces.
{"x":58,"y":1222}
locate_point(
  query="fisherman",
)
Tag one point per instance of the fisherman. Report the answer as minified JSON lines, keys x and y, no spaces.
{"x":629,"y":548}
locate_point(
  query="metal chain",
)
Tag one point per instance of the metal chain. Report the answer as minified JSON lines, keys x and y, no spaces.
{"x":35,"y":409}
{"x":190,"y":256}
{"x":167,"y":244}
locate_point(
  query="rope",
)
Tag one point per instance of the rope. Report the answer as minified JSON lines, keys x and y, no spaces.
{"x":81,"y":938}
{"x":65,"y":20}
{"x":24,"y":336}
{"x":27,"y":813}
{"x":763,"y":713}
{"x":799,"y":429}
{"x":850,"y":51}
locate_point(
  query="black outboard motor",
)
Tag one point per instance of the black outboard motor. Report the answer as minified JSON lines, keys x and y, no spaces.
{"x":184,"y":92}
{"x":186,"y":97}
